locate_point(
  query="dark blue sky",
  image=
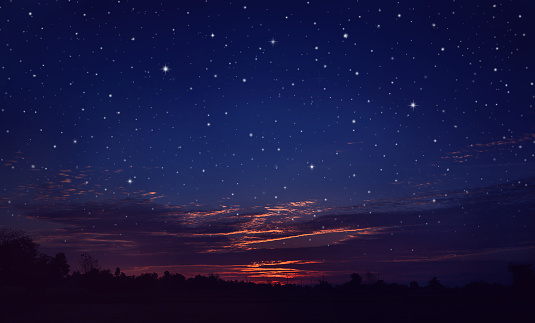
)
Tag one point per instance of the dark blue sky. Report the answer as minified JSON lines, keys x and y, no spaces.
{"x":311,"y":137}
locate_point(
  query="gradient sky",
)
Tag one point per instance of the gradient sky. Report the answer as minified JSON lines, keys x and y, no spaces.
{"x":272,"y":140}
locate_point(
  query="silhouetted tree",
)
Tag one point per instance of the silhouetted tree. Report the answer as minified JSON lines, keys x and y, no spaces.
{"x":16,"y":247}
{"x":88,"y":263}
{"x":371,"y":278}
{"x":323,"y":286}
{"x":380,"y":284}
{"x":117,"y":272}
{"x":59,"y":263}
{"x":482,"y":288}
{"x":18,"y":255}
{"x":434,"y":284}
{"x":172,"y":282}
{"x":414,"y":285}
{"x":523,"y":276}
{"x":146,"y":281}
{"x":355,"y":282}
{"x":49,"y":271}
{"x":356,"y":279}
{"x":21,"y":264}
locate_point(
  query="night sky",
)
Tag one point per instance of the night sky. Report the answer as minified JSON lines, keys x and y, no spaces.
{"x":272,"y":140}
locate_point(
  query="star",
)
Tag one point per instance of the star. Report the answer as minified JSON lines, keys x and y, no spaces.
{"x":273,"y":41}
{"x":413,"y":105}
{"x":212,"y":35}
{"x":130,"y":181}
{"x":165,"y":69}
{"x":311,"y":167}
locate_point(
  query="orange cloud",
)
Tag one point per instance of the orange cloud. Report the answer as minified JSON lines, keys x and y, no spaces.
{"x":474,"y":150}
{"x":307,"y":240}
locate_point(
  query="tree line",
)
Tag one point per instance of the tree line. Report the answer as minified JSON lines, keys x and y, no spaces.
{"x":23,"y":266}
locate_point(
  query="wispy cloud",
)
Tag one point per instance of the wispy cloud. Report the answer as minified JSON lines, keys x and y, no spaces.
{"x":476,"y":150}
{"x":431,"y":226}
{"x":449,"y":255}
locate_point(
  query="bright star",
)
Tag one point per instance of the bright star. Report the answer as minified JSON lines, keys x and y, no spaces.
{"x":212,"y":35}
{"x":273,"y":41}
{"x":413,"y":105}
{"x":311,"y":166}
{"x":130,"y":181}
{"x":165,"y":69}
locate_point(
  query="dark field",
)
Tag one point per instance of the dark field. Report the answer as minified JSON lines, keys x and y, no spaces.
{"x":254,"y":307}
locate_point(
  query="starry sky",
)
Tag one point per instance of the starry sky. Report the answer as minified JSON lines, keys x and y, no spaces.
{"x":272,"y":140}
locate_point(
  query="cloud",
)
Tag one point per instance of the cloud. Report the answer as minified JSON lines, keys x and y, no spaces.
{"x":477,"y":150}
{"x":279,"y":240}
{"x":501,"y":253}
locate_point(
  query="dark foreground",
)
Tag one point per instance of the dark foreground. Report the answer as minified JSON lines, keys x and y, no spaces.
{"x":229,"y":306}
{"x":35,"y":287}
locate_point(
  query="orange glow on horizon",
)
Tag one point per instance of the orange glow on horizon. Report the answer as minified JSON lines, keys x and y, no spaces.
{"x":260,"y":272}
